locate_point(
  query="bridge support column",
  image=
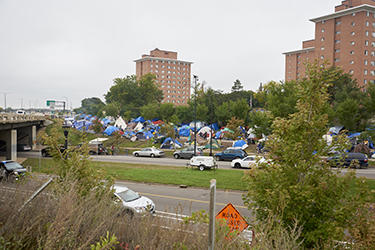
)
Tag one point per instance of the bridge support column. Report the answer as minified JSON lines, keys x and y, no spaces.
{"x":11,"y":141}
{"x":32,"y":137}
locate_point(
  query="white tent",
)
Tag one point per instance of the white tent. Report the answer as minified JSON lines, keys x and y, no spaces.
{"x":120,"y":123}
{"x":204,"y":130}
{"x":139,"y":126}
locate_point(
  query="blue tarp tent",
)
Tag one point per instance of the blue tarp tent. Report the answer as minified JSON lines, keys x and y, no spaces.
{"x":167,"y":144}
{"x":110,"y":130}
{"x":139,"y":119}
{"x":82,"y":125}
{"x":184,"y":131}
{"x":239,"y":144}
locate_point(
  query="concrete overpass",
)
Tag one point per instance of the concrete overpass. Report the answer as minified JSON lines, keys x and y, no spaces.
{"x":15,"y":128}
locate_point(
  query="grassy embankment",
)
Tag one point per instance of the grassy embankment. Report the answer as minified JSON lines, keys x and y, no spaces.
{"x":226,"y":179}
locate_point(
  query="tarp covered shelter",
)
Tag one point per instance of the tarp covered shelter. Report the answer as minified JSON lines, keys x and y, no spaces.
{"x":336,"y":130}
{"x":168,"y":143}
{"x":205,"y":132}
{"x":240,"y":144}
{"x":139,"y":126}
{"x":200,"y":139}
{"x":139,"y":119}
{"x":110,"y":130}
{"x":215,"y":144}
{"x":131,"y":125}
{"x":184,"y":131}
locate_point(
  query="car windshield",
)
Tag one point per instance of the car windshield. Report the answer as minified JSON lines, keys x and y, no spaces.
{"x":12,"y":166}
{"x":129,"y":195}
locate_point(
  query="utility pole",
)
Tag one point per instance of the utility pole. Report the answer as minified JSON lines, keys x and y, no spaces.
{"x":5,"y":100}
{"x":195,"y":113}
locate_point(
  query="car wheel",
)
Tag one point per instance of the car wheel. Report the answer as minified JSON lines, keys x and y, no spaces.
{"x":91,"y":153}
{"x":176,"y":156}
{"x":136,"y":154}
{"x":201,"y":167}
{"x":44,"y":154}
{"x":218,"y":158}
{"x":237,"y":165}
{"x":152,"y":155}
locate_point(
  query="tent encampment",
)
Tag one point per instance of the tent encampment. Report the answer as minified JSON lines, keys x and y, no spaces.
{"x":109,"y":130}
{"x":120,"y":123}
{"x":168,"y":143}
{"x":240,"y":144}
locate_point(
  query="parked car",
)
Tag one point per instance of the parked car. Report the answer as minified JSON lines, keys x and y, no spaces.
{"x":46,"y":151}
{"x":230,"y":154}
{"x":345,"y":160}
{"x":151,"y":152}
{"x":132,"y":202}
{"x":10,"y":170}
{"x":188,"y":153}
{"x":23,"y":147}
{"x":249,"y":161}
{"x":20,"y":112}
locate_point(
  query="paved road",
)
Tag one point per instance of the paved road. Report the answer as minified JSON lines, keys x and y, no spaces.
{"x":170,"y":161}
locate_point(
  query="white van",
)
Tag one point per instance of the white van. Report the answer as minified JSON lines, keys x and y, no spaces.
{"x":20,"y":112}
{"x":203,"y":162}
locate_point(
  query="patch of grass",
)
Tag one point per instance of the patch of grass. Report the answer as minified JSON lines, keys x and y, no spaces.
{"x":226,"y":179}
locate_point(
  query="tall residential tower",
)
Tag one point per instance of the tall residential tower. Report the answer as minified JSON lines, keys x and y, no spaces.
{"x":345,"y":37}
{"x":173,"y":75}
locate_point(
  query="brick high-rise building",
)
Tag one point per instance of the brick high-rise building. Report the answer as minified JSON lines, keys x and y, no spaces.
{"x":345,"y":37}
{"x":173,"y":75}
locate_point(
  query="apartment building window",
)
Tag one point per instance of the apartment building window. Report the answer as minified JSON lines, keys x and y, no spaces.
{"x":365,"y":81}
{"x":373,"y":34}
{"x":372,"y":72}
{"x":169,"y":62}
{"x":323,"y":30}
{"x":168,"y":72}
{"x":352,"y":43}
{"x":353,"y":33}
{"x":351,"y":72}
{"x":162,"y":71}
{"x":168,"y":81}
{"x":338,"y":23}
{"x":323,"y":21}
{"x":365,"y":72}
{"x":366,"y":33}
{"x":367,"y":13}
{"x":298,"y":56}
{"x":372,"y":53}
{"x":321,"y":57}
{"x":290,"y":60}
{"x":353,"y":23}
{"x":352,"y":52}
{"x":168,"y":67}
{"x":156,"y":71}
{"x":337,"y":32}
{"x":337,"y":41}
{"x":168,"y":91}
{"x":367,"y":23}
{"x":373,"y":25}
{"x":156,"y":66}
{"x":337,"y":59}
{"x":366,"y":43}
{"x":366,"y":52}
{"x":372,"y":44}
{"x":322,"y":48}
{"x":365,"y":62}
{"x":297,"y":67}
{"x":372,"y":63}
{"x":351,"y":62}
{"x":337,"y":50}
{"x":156,"y":60}
{"x":322,"y":39}
{"x":151,"y":60}
{"x":151,"y":66}
{"x":353,"y":14}
{"x":168,"y":86}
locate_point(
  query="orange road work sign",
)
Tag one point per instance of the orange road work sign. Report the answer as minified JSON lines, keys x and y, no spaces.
{"x":234,"y":219}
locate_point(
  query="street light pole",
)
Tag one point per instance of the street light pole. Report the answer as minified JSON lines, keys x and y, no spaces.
{"x":5,"y":100}
{"x":195,"y":113}
{"x":211,"y":127}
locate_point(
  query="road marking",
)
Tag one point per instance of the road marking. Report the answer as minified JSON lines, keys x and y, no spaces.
{"x":186,"y":199}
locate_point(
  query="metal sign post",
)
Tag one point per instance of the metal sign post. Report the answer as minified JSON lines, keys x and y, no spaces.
{"x":211,"y":232}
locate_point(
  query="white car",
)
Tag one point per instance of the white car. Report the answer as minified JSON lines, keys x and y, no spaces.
{"x":151,"y":152}
{"x":248,"y":162}
{"x":133,"y":203}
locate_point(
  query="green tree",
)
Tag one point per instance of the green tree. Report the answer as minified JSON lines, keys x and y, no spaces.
{"x":281,"y":98}
{"x":90,"y":106}
{"x":298,"y":186}
{"x":261,"y":123}
{"x":185,"y":113}
{"x":240,"y":109}
{"x":223,"y":112}
{"x":237,"y":86}
{"x":202,"y":111}
{"x":234,"y":124}
{"x":150,"y":111}
{"x":166,"y":111}
{"x":349,"y":108}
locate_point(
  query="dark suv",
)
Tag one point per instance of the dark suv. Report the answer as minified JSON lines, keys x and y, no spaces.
{"x":10,"y":170}
{"x":231,"y":154}
{"x":345,"y":160}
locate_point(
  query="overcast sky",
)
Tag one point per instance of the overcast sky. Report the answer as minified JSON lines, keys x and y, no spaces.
{"x":73,"y":49}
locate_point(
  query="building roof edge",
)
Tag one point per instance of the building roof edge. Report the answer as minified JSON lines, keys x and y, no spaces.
{"x":160,"y":58}
{"x":363,"y":7}
{"x":299,"y":51}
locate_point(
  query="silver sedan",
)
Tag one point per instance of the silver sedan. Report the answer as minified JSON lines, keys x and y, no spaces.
{"x":150,"y":152}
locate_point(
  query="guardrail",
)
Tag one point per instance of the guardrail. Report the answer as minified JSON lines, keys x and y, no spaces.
{"x":14,"y":118}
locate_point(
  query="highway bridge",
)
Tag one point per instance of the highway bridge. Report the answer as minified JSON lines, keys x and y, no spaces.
{"x":15,"y":128}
